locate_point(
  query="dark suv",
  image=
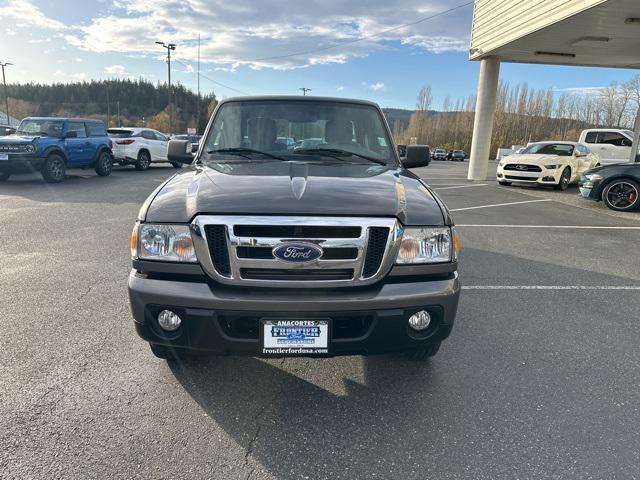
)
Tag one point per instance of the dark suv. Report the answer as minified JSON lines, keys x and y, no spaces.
{"x":334,"y":249}
{"x":52,"y":145}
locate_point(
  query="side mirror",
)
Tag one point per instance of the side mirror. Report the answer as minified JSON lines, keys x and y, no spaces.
{"x":580,"y":154}
{"x":72,"y":134}
{"x":417,"y":156}
{"x":179,"y":151}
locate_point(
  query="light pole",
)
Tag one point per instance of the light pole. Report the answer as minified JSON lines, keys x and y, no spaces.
{"x":304,"y":90}
{"x":6,"y":95}
{"x":170,"y":47}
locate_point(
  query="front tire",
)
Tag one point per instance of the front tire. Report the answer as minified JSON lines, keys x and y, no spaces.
{"x":622,"y":195}
{"x":423,"y":354}
{"x":104,"y":164}
{"x":505,"y":184}
{"x":144,"y":161}
{"x":54,"y":169}
{"x":565,"y":180}
{"x":176,"y":165}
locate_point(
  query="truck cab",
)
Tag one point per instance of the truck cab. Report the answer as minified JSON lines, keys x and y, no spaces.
{"x":610,"y":144}
{"x":333,"y":249}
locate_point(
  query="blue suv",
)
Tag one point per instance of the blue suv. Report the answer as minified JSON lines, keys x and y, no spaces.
{"x":52,"y":145}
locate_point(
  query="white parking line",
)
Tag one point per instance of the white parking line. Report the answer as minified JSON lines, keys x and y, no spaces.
{"x":462,"y":186}
{"x":569,"y":227}
{"x":500,"y":205}
{"x":551,"y":287}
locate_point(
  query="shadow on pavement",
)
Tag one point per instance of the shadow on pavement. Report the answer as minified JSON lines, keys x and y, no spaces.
{"x":295,"y":429}
{"x":124,"y":185}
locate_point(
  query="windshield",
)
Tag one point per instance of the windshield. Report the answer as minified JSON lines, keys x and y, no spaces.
{"x":299,"y":130}
{"x":119,"y":133}
{"x":49,"y":128}
{"x":561,"y":149}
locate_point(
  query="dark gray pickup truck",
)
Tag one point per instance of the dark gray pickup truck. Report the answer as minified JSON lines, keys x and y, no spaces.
{"x":263,"y":250}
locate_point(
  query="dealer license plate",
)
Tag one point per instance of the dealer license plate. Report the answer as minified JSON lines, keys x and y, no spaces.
{"x":295,"y":337}
{"x":4,"y":157}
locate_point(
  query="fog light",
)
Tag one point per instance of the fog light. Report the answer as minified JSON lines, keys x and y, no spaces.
{"x":169,"y":321}
{"x":420,"y":321}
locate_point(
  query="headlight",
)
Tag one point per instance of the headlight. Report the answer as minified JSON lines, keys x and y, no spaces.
{"x":31,"y":149}
{"x":428,"y":245}
{"x":168,"y":243}
{"x":551,"y":167}
{"x":594,"y":177}
{"x":501,"y":164}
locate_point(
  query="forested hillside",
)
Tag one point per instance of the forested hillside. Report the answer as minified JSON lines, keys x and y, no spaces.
{"x":523,"y":115}
{"x":116,"y":102}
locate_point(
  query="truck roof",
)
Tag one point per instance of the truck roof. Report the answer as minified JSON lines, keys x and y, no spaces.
{"x":63,"y":119}
{"x":298,"y":98}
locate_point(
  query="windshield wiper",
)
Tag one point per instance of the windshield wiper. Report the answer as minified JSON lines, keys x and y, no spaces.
{"x":339,"y":154}
{"x":245,"y":152}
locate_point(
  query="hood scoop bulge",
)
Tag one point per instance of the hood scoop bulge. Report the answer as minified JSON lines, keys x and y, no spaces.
{"x":298,"y":173}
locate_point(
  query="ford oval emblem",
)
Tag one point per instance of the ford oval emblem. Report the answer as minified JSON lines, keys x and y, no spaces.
{"x":297,"y":252}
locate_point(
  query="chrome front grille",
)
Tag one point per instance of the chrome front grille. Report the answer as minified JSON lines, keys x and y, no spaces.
{"x":239,"y":250}
{"x":522,"y":167}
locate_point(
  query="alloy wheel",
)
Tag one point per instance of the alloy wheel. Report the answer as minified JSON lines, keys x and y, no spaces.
{"x":622,"y":195}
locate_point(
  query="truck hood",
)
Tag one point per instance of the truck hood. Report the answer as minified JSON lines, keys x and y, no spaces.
{"x":17,"y":139}
{"x":294,"y":188}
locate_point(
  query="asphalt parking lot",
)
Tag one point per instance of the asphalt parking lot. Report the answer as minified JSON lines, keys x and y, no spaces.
{"x":540,"y":378}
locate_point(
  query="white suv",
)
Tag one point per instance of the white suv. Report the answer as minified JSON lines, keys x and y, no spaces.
{"x":139,"y":147}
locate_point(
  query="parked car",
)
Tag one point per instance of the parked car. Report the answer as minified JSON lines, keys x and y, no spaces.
{"x":457,"y":156}
{"x":618,"y":186}
{"x":53,"y":145}
{"x":610,"y":144}
{"x":194,"y":140}
{"x":6,"y":130}
{"x":335,"y":250}
{"x":547,"y":163}
{"x":139,"y":147}
{"x":310,"y":143}
{"x":287,"y":143}
{"x":439,"y":154}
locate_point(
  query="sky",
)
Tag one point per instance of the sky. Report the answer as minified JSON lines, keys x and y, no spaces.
{"x":266,"y":47}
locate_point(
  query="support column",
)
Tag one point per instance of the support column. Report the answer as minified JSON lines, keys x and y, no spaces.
{"x":636,"y":140}
{"x":483,"y":123}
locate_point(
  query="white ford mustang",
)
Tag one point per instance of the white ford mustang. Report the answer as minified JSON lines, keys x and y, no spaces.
{"x":547,"y":163}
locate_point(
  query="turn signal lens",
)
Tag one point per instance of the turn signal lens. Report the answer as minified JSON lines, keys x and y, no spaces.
{"x":183,"y":248}
{"x":456,"y":243}
{"x":409,"y":249}
{"x":133,"y":242}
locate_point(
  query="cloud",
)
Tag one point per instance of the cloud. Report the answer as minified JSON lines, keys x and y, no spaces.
{"x":23,"y":13}
{"x":70,"y":76}
{"x":340,"y":88}
{"x":263,"y":35}
{"x":582,"y":90}
{"x":115,"y":70}
{"x":374,"y":87}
